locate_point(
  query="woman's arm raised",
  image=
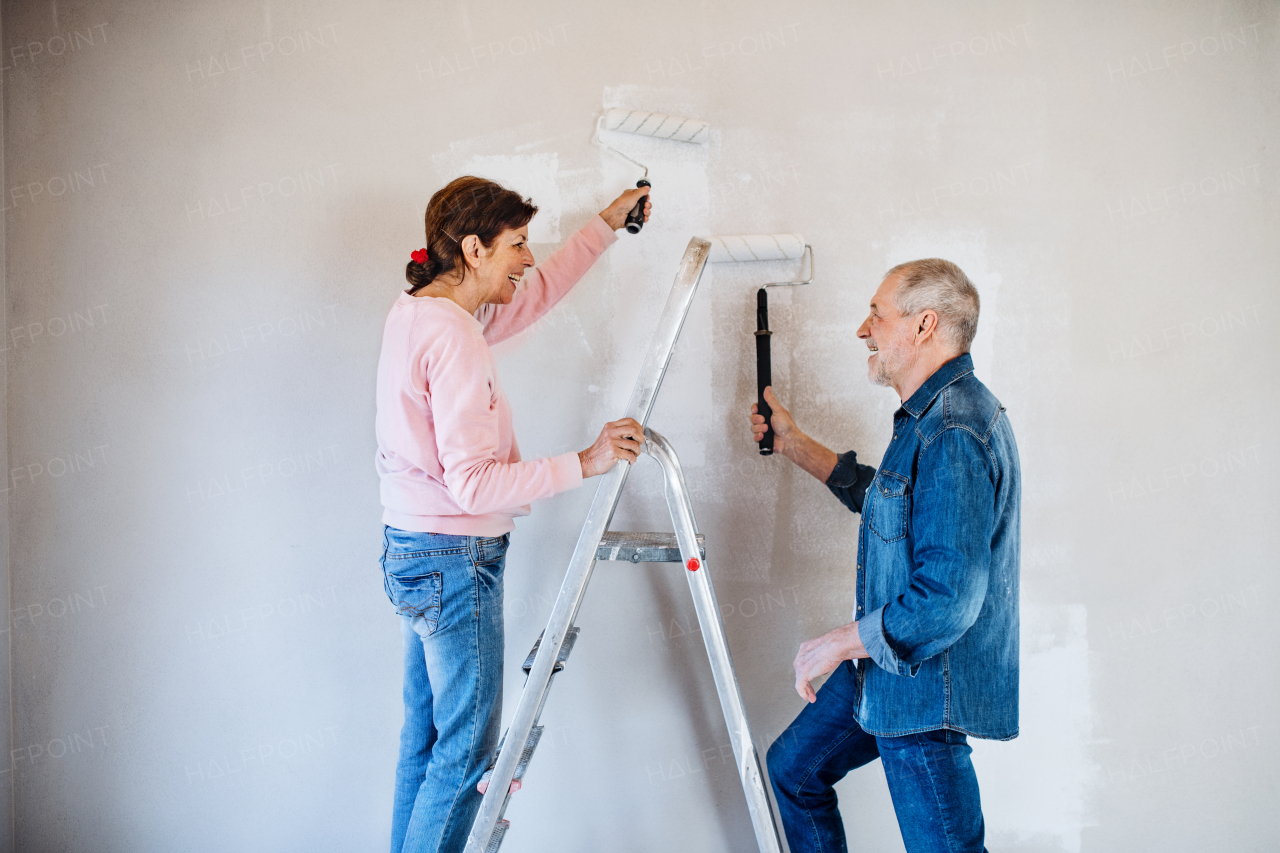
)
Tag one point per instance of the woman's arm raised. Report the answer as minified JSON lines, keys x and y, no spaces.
{"x":548,"y":282}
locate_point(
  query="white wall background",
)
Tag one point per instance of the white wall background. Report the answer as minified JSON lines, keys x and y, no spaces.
{"x":208,"y":208}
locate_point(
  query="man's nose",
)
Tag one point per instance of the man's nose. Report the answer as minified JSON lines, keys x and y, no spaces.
{"x":864,"y":331}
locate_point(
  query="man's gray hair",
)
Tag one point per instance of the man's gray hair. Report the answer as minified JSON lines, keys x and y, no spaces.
{"x":941,"y":286}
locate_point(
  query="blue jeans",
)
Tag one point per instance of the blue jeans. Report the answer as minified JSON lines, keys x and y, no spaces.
{"x":931,"y":779}
{"x":448,"y":592}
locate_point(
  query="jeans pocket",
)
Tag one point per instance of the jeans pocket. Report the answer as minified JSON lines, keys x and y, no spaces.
{"x":414,"y":590}
{"x":491,"y":551}
{"x":888,"y":506}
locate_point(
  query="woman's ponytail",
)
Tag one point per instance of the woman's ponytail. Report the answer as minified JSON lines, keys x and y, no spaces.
{"x":419,"y":275}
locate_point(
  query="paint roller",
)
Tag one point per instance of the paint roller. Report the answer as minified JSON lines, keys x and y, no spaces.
{"x":657,"y":125}
{"x":763,"y":247}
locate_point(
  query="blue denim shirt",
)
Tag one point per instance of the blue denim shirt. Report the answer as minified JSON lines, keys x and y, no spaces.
{"x":938,"y":559}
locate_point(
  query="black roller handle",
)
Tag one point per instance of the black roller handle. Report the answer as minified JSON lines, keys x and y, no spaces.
{"x":764,"y":368}
{"x":635,"y":219}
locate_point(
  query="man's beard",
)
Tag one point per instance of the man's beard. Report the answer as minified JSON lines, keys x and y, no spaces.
{"x":881,"y":374}
{"x":886,"y":373}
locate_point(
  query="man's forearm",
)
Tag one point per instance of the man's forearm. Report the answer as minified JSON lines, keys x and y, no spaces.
{"x":810,"y":455}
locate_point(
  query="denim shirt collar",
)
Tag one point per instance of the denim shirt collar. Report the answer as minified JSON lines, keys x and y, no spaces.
{"x":957,"y":368}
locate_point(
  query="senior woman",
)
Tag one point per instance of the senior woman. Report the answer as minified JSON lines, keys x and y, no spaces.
{"x":452,"y":481}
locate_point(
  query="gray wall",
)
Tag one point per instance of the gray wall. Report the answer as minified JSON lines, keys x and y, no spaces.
{"x":208,"y":209}
{"x":6,"y":731}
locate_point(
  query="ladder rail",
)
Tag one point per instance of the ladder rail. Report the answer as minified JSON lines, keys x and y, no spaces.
{"x":494,"y":802}
{"x":750,"y":771}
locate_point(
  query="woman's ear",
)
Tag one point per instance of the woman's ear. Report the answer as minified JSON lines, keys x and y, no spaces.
{"x":471,"y":247}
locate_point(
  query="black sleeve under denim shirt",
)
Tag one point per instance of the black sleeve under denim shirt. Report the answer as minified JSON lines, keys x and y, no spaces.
{"x":849,"y":480}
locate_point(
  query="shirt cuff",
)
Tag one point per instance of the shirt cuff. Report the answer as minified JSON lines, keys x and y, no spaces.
{"x":845,"y":473}
{"x":871,"y":632}
{"x":566,"y":472}
{"x":602,"y":236}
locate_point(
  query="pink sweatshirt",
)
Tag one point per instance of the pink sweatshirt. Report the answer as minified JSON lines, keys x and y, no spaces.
{"x":447,"y":457}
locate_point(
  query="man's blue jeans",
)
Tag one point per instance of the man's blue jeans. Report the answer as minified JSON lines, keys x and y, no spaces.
{"x":448,"y":592}
{"x":931,"y":779}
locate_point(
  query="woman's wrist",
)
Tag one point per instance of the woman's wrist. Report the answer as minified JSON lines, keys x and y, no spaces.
{"x":604,"y":214}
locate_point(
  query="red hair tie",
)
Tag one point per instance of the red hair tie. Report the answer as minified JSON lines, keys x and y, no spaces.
{"x":419,"y":257}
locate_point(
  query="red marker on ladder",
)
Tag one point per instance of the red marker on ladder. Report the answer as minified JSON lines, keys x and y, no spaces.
{"x":693,"y":564}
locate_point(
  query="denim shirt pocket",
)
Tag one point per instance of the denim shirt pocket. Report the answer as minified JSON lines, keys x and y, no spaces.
{"x":888,"y":500}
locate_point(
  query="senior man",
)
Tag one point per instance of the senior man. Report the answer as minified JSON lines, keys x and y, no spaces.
{"x":935,"y":630}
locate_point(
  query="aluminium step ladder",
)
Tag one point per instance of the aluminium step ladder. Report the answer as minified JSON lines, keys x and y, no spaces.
{"x":596,"y":542}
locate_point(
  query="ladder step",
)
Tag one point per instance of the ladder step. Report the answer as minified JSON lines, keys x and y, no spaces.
{"x":643,"y":547}
{"x":495,"y":840}
{"x":535,"y":735}
{"x":570,"y":638}
{"x":530,"y":745}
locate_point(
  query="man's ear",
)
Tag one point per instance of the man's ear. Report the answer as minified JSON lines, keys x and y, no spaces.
{"x":928,"y":324}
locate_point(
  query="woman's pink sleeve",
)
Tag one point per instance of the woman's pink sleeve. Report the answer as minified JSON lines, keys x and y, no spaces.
{"x":468,"y":434}
{"x":548,"y":282}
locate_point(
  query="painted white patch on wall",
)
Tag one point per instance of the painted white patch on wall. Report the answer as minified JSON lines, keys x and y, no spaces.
{"x":1034,"y":788}
{"x":534,"y":176}
{"x":968,"y":249}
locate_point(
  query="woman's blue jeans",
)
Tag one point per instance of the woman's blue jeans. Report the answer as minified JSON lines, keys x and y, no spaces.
{"x":930,"y":775}
{"x":448,"y":592}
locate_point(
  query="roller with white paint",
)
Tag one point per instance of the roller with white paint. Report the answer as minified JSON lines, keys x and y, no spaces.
{"x":739,"y":248}
{"x":756,"y":247}
{"x":657,"y":125}
{"x":660,"y":125}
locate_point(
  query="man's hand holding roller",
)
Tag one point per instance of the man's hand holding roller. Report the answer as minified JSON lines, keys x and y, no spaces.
{"x":788,"y":440}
